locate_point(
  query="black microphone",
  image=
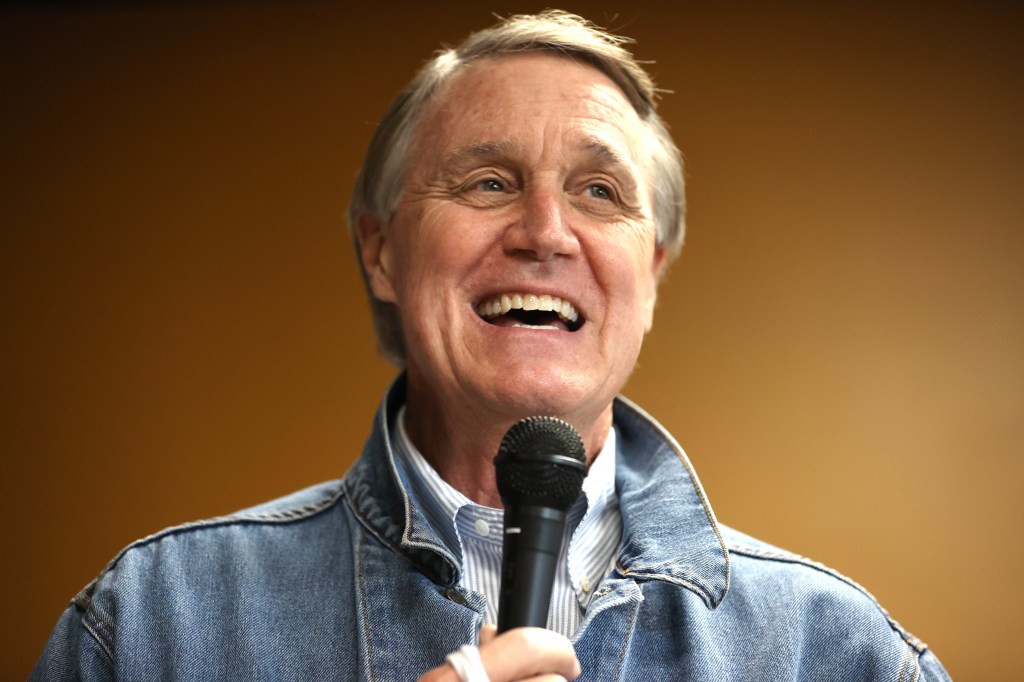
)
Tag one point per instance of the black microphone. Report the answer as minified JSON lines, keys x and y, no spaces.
{"x":540,"y":468}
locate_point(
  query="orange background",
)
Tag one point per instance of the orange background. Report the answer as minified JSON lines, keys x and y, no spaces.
{"x":840,"y":348}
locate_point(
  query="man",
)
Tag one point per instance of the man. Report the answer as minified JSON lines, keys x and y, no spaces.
{"x":517,"y":207}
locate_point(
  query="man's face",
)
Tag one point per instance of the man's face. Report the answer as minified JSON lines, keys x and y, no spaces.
{"x":525,"y":188}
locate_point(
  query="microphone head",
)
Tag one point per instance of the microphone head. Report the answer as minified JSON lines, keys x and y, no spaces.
{"x":541,"y":462}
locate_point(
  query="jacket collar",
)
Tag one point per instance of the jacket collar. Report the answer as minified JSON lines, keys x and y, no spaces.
{"x":669,"y":530}
{"x":380,"y":499}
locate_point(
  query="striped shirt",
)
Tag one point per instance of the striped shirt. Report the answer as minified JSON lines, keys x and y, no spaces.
{"x":474,"y":532}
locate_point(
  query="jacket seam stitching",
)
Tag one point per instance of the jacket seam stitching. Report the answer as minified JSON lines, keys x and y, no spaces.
{"x":907,"y":658}
{"x":625,"y":643}
{"x":363,"y":608}
{"x":674,"y":580}
{"x":99,"y":626}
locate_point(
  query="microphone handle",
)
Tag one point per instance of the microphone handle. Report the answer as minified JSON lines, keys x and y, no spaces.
{"x":530,"y":549}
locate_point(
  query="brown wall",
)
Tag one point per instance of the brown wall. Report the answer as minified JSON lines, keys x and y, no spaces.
{"x":840,"y":348}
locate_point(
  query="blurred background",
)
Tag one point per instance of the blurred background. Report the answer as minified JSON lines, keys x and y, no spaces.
{"x":840,"y":348}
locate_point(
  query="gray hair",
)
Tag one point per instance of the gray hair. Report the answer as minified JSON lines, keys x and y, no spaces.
{"x":380,"y":181}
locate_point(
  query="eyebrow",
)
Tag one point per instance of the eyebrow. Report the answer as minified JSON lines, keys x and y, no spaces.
{"x":505,"y":148}
{"x":605,"y":153}
{"x":480,"y":150}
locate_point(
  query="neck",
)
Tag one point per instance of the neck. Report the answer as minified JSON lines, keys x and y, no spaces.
{"x":461,"y":443}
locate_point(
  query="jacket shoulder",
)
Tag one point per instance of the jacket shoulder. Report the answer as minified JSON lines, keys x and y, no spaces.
{"x":775,"y":568}
{"x":190,"y":592}
{"x":302,"y":505}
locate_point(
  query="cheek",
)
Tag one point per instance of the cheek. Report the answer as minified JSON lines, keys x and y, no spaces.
{"x":630,"y":281}
{"x":416,"y":258}
{"x":433,"y":257}
{"x":629,"y":264}
{"x":443,"y":241}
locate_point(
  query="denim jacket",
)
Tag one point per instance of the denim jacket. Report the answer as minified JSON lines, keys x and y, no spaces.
{"x":348,"y":581}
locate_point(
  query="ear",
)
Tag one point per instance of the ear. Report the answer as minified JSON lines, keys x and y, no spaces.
{"x":376,"y":256}
{"x":657,"y":266}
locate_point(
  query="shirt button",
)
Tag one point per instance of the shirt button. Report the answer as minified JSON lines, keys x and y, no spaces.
{"x":482,"y":527}
{"x":585,"y":584}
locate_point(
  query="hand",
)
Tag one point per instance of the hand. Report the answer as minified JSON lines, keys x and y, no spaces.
{"x":519,"y":655}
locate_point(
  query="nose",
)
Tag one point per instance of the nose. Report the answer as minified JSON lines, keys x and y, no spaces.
{"x":542,"y":231}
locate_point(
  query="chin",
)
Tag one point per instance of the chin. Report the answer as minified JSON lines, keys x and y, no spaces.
{"x":543,"y":392}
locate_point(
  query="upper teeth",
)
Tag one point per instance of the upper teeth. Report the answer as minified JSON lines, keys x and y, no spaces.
{"x":499,"y":305}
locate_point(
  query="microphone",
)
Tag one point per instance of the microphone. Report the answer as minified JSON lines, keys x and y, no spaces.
{"x":540,"y":468}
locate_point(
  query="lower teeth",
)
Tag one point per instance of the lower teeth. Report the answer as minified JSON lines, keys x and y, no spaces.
{"x":534,"y":326}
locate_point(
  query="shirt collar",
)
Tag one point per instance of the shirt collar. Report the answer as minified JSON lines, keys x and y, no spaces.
{"x":441,"y":502}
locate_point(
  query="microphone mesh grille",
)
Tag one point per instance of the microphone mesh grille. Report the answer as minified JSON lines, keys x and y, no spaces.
{"x":541,"y":461}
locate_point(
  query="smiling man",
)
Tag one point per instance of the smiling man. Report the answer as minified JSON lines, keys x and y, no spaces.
{"x":517,"y":207}
{"x":529,"y":193}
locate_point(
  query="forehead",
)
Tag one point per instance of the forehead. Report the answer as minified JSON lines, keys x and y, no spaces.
{"x":518,"y":101}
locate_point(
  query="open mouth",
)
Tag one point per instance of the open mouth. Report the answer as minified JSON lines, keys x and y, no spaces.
{"x":530,"y":311}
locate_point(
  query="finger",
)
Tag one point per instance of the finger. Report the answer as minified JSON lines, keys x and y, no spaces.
{"x":524,"y":653}
{"x":487,"y":633}
{"x":442,"y":673}
{"x":446,"y":673}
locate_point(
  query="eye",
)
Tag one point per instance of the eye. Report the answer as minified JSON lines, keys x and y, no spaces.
{"x":599,"y":192}
{"x":490,"y":185}
{"x":489,"y":189}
